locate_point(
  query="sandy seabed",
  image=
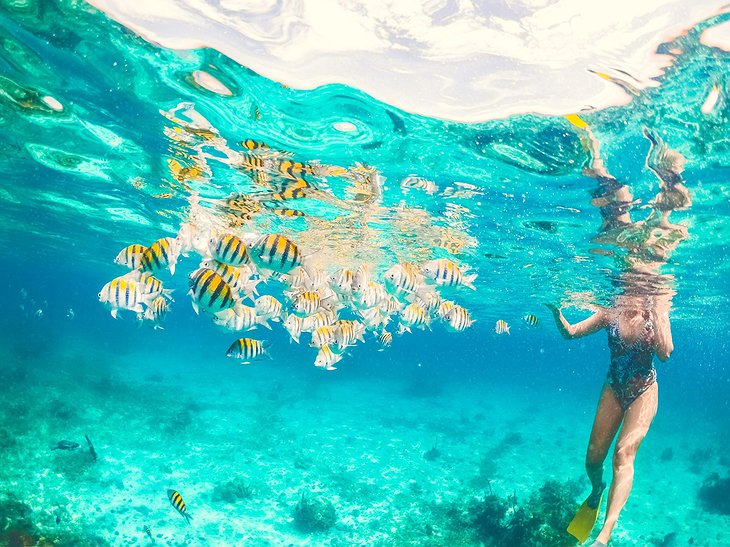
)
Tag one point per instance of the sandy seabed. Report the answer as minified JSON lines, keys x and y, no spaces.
{"x":243,"y":444}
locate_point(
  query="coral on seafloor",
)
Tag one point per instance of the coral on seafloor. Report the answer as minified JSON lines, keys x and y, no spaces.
{"x":504,"y":521}
{"x":314,"y":514}
{"x":232,"y":492}
{"x":714,"y":494}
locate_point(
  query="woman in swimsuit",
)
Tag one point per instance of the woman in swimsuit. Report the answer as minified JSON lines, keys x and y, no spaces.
{"x":637,"y":323}
{"x":637,"y":330}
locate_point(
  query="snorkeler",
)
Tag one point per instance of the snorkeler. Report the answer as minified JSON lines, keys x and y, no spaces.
{"x":637,"y":324}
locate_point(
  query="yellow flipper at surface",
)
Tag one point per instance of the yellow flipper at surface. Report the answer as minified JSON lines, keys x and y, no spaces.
{"x":576,"y":121}
{"x":582,"y":524}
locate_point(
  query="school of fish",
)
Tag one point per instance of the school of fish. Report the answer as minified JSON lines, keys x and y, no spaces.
{"x":246,"y":280}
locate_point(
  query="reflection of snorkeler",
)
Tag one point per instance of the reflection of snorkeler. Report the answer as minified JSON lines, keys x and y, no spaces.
{"x":637,"y":324}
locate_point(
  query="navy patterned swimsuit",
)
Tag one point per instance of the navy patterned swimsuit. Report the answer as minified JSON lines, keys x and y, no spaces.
{"x":632,"y":369}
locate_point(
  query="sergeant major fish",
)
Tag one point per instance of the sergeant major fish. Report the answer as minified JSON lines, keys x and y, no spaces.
{"x":445,"y":272}
{"x":178,"y":503}
{"x":163,"y":253}
{"x":122,"y":293}
{"x":458,"y":319}
{"x":248,"y":350}
{"x":156,"y":312}
{"x":131,"y":256}
{"x":276,"y":253}
{"x":501,"y":327}
{"x":229,"y":249}
{"x":326,"y":358}
{"x":210,"y":292}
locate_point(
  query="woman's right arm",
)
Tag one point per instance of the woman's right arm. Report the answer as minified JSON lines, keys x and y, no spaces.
{"x":663,"y":344}
{"x":594,"y":323}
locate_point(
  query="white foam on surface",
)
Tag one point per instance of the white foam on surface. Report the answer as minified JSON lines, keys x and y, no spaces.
{"x":463,"y":60}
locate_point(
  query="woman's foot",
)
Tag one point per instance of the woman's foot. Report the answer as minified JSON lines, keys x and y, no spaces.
{"x":594,"y":500}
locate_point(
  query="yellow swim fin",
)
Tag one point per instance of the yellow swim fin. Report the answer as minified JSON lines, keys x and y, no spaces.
{"x":584,"y":520}
{"x":576,"y":121}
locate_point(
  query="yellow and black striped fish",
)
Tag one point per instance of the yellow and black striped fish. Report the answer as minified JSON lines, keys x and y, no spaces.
{"x":247,"y":349}
{"x":385,"y":339}
{"x":123,"y":292}
{"x":210,"y":291}
{"x":254,"y":145}
{"x":293,"y":169}
{"x":276,"y":252}
{"x":131,"y":256}
{"x":531,"y":320}
{"x":179,"y":504}
{"x":287,"y":212}
{"x":289,"y":193}
{"x":501,"y":326}
{"x":252,"y":162}
{"x":162,"y":253}
{"x":229,"y":249}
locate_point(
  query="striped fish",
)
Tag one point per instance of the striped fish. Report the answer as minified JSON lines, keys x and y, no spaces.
{"x":501,"y":326}
{"x":156,"y":312}
{"x":444,"y":308}
{"x":323,"y":336}
{"x":161,"y":254}
{"x":326,"y":358}
{"x":131,"y":256}
{"x":239,"y":318}
{"x":322,"y":318}
{"x":374,"y":295}
{"x":248,"y":349}
{"x":230,"y":250}
{"x":402,"y":279}
{"x":210,"y":292}
{"x":531,"y":320}
{"x":178,"y":503}
{"x":295,"y":279}
{"x":123,"y":293}
{"x":251,"y":144}
{"x":230,"y":274}
{"x":293,"y":169}
{"x":341,"y":282}
{"x":152,"y":287}
{"x":374,"y":318}
{"x":293,"y":325}
{"x":361,"y":278}
{"x":390,"y":306}
{"x":458,"y":319}
{"x":429,"y":299}
{"x":306,"y":303}
{"x":414,"y":315}
{"x":348,"y":332}
{"x":289,"y":193}
{"x":269,"y":307}
{"x":276,"y":252}
{"x":287,"y":212}
{"x":252,"y":162}
{"x":385,"y":339}
{"x":445,"y":272}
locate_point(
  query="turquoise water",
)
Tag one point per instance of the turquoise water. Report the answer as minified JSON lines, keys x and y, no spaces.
{"x":409,"y":444}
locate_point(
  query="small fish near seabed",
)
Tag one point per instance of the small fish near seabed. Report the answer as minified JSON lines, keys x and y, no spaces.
{"x":65,"y":445}
{"x":178,"y":503}
{"x":501,"y":327}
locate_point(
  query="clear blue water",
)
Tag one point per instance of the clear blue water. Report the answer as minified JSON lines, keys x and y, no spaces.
{"x":167,"y":409}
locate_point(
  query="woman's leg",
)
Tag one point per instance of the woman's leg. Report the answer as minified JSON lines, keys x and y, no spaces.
{"x":637,"y":420}
{"x":607,"y":421}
